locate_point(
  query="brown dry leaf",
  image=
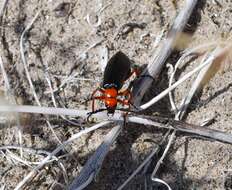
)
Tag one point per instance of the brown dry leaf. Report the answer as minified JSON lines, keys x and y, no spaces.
{"x":182,"y":41}
{"x":11,"y":118}
{"x":25,"y":119}
{"x":221,"y":62}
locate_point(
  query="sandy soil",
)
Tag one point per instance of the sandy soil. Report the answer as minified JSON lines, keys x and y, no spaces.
{"x":61,"y":44}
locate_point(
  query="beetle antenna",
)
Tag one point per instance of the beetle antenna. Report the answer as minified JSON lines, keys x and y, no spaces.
{"x":93,"y":112}
{"x":134,"y":106}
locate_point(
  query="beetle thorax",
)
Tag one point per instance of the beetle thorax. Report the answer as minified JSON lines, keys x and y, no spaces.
{"x":111,"y":98}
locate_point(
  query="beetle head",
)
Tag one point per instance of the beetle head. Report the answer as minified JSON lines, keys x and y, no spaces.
{"x":111,"y":99}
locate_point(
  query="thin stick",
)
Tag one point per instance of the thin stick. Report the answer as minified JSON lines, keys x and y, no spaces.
{"x":83,"y":54}
{"x":26,"y":149}
{"x":70,"y":79}
{"x":47,"y":76}
{"x":172,"y":137}
{"x":185,"y":77}
{"x":185,"y":103}
{"x":182,"y":126}
{"x":13,"y":156}
{"x":195,"y":87}
{"x":7,"y":84}
{"x":10,"y":94}
{"x":177,"y":117}
{"x":104,"y":54}
{"x":158,"y":62}
{"x":161,"y":181}
{"x":171,"y":100}
{"x":173,"y":86}
{"x":24,"y":60}
{"x":144,"y":120}
{"x":154,"y":151}
{"x":43,"y":110}
{"x":54,"y":152}
{"x":2,"y":9}
{"x":36,"y":152}
{"x":94,"y":163}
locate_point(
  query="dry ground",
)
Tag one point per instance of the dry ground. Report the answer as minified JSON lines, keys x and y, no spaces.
{"x":59,"y":46}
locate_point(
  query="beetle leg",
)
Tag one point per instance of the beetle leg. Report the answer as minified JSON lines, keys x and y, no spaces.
{"x":99,"y":97}
{"x":93,"y":112}
{"x":93,"y":96}
{"x":126,"y":93}
{"x":96,"y":98}
{"x":97,"y":90}
{"x":126,"y":101}
{"x":135,"y":71}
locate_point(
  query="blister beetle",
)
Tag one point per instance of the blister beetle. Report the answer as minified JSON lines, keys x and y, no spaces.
{"x":117,"y":71}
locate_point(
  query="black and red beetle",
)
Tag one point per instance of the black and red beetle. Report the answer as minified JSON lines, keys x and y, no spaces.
{"x":117,"y":71}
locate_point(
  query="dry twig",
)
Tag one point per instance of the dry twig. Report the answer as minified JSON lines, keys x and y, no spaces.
{"x":146,"y":161}
{"x":158,"y":62}
{"x":24,"y":60}
{"x":54,"y":152}
{"x":94,"y":163}
{"x":140,"y":119}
